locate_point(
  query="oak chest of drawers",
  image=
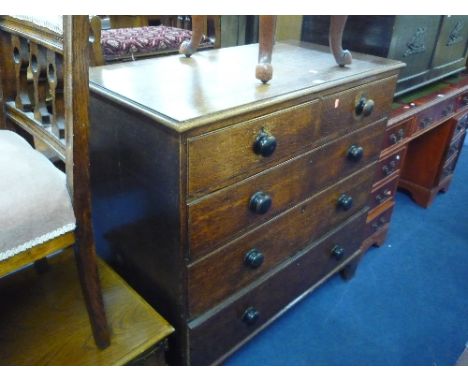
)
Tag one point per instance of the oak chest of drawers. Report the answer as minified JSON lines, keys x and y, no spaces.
{"x":223,"y":200}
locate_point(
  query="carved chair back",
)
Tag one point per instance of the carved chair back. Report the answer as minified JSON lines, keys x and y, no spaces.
{"x":45,"y":96}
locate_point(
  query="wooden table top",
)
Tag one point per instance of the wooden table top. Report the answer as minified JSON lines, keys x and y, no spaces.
{"x":185,"y":92}
{"x":43,"y":318}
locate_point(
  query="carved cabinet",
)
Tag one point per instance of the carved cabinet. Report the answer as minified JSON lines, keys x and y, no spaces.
{"x":224,"y":200}
{"x":432,"y":47}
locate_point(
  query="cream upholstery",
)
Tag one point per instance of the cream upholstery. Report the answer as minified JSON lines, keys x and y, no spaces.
{"x":34,"y":202}
{"x":53,"y":23}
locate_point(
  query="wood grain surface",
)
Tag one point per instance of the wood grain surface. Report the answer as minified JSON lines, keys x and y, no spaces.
{"x":187,"y":92}
{"x":43,"y":320}
{"x":217,"y":217}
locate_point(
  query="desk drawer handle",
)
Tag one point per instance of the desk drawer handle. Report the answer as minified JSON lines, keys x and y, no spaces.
{"x":425,"y":122}
{"x":448,"y":110}
{"x":250,"y":316}
{"x":345,"y":202}
{"x":265,"y":144}
{"x":355,"y":153}
{"x":260,"y":203}
{"x":254,"y":259}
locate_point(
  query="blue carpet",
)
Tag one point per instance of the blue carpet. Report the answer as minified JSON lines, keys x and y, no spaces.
{"x":407,"y":304}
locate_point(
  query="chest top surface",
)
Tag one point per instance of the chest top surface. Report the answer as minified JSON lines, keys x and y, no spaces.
{"x":183,"y":93}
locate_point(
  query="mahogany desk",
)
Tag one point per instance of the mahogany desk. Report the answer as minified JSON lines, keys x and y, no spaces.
{"x":424,"y":137}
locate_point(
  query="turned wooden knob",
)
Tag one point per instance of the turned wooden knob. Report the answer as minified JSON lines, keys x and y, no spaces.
{"x":345,"y":202}
{"x":260,"y":203}
{"x":265,"y":144}
{"x":338,"y":252}
{"x":364,"y":107}
{"x":250,"y":316}
{"x":253,"y":259}
{"x":355,"y":153}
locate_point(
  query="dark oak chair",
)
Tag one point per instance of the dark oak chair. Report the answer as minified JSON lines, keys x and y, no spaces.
{"x":267,"y":27}
{"x":133,"y":37}
{"x":44,"y":78}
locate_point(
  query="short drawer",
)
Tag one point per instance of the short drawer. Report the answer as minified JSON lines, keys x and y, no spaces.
{"x":384,"y":192}
{"x":389,"y":165}
{"x":242,"y":261}
{"x":357,"y":107}
{"x":398,"y":133}
{"x":225,"y":156}
{"x":462,"y":125}
{"x":212,"y":336}
{"x":449,"y":166}
{"x":378,"y":218}
{"x":216,"y":218}
{"x":462,"y":100}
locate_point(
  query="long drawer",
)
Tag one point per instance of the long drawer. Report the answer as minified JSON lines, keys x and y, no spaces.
{"x":214,"y":219}
{"x":212,"y":337}
{"x":225,"y":156}
{"x":242,"y":261}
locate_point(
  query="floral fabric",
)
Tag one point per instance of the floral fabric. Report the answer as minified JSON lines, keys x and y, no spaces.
{"x":132,"y":42}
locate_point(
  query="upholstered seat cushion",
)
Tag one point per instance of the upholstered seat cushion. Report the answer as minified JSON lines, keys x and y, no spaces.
{"x":53,"y":23}
{"x":34,"y":202}
{"x":132,"y":42}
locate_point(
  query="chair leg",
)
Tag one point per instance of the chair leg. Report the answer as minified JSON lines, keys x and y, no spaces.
{"x":91,"y":288}
{"x":337,"y":25}
{"x":198,"y":26}
{"x":267,"y":27}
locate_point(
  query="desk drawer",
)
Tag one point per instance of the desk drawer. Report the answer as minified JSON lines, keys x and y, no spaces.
{"x":242,"y":261}
{"x":345,"y":110}
{"x":435,"y":113}
{"x":389,"y":165}
{"x":379,"y":217}
{"x":462,"y":100}
{"x":215,"y":218}
{"x":225,"y":156}
{"x":384,"y":192}
{"x":217,"y":334}
{"x":397,"y":133}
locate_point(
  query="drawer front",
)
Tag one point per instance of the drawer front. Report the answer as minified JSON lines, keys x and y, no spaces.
{"x":462,"y":100}
{"x":375,"y":223}
{"x":242,"y":261}
{"x":456,"y":143}
{"x":390,"y":165}
{"x":214,"y":219}
{"x":462,"y":124}
{"x":349,"y":110}
{"x":218,"y":334}
{"x":451,"y":44}
{"x":452,"y":156}
{"x":435,"y":113}
{"x":223,"y":157}
{"x":384,"y":192}
{"x":397,"y":134}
